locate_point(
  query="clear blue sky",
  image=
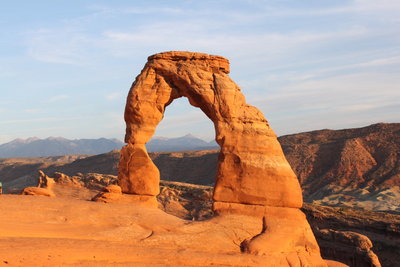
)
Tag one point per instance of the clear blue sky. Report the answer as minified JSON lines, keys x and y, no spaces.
{"x":66,"y":66}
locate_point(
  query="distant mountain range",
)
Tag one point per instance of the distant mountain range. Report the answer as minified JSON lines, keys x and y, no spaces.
{"x":187,"y":142}
{"x":57,"y":146}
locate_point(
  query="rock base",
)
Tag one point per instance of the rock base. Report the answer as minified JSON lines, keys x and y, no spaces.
{"x":113,"y":194}
{"x":37,"y":191}
{"x":285,"y":231}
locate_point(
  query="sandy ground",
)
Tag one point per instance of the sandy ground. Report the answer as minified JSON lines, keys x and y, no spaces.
{"x":65,"y":231}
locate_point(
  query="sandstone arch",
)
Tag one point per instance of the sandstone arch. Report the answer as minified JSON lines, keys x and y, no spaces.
{"x":253,"y":176}
{"x":251,"y":166}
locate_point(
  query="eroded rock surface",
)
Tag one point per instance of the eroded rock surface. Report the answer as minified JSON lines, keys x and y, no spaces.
{"x":356,"y":167}
{"x":348,"y":234}
{"x":44,"y":187}
{"x":253,"y":176}
{"x":355,"y":248}
{"x":251,"y":166}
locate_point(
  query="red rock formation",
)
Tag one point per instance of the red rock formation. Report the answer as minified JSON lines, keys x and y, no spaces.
{"x":113,"y":194}
{"x":44,"y":187}
{"x":253,"y":176}
{"x":251,"y":165}
{"x":347,"y":235}
{"x":346,"y":241}
{"x":351,"y":167}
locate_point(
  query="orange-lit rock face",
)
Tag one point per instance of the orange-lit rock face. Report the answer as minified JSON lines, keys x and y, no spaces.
{"x":251,"y":166}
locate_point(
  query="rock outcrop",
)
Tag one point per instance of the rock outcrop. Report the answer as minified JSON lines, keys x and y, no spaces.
{"x":348,"y":234}
{"x":338,"y":231}
{"x":355,"y":248}
{"x":44,"y":187}
{"x":357,"y":167}
{"x":253,"y":175}
{"x":113,"y":194}
{"x":251,"y":166}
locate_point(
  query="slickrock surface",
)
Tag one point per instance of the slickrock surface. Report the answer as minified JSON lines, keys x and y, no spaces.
{"x":194,"y":202}
{"x":93,"y":235}
{"x":37,"y":231}
{"x":68,"y":231}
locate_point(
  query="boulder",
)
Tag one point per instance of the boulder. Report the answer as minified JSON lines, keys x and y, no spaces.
{"x":113,"y":194}
{"x":112,"y":188}
{"x":44,"y":187}
{"x":37,"y":191}
{"x":45,"y":181}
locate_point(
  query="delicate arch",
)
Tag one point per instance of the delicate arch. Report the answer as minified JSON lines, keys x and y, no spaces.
{"x":252,"y":168}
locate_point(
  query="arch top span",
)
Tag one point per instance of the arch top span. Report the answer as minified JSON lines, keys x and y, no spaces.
{"x":213,"y":61}
{"x":252,"y":168}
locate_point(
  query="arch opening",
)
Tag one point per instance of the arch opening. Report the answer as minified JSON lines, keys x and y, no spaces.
{"x":181,"y":118}
{"x":186,"y":159}
{"x":183,"y":147}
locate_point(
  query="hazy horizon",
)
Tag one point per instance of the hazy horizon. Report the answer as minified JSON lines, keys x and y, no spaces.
{"x":171,"y":137}
{"x":66,"y":67}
